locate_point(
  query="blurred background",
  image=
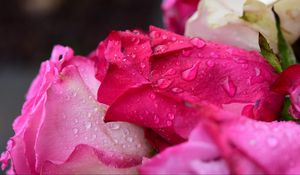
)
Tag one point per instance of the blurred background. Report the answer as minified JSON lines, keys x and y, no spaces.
{"x":30,"y":28}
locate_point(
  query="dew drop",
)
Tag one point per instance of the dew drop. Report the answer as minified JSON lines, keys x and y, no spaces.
{"x":154,"y":34}
{"x":272,"y":142}
{"x":210,"y":63}
{"x":176,"y":90}
{"x":88,"y":125}
{"x":170,"y":71}
{"x":257,"y":71}
{"x":75,"y":130}
{"x":129,"y":139}
{"x":114,"y":126}
{"x":169,"y":123}
{"x":96,"y":109}
{"x":164,"y":37}
{"x":171,"y":116}
{"x":126,"y":131}
{"x":191,"y":73}
{"x":133,"y":55}
{"x":174,"y":38}
{"x":229,"y":87}
{"x":156,"y":119}
{"x":152,"y":96}
{"x":164,"y":83}
{"x":186,"y":53}
{"x":160,"y":48}
{"x":143,"y":65}
{"x":198,"y":42}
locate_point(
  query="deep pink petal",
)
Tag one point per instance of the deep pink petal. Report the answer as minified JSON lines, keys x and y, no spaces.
{"x":177,"y":12}
{"x":164,"y":42}
{"x":127,"y":55}
{"x":220,"y":74}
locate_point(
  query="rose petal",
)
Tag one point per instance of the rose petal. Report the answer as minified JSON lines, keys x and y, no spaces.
{"x":177,"y":12}
{"x":85,"y":160}
{"x":128,"y":56}
{"x":208,"y":72}
{"x":70,"y":113}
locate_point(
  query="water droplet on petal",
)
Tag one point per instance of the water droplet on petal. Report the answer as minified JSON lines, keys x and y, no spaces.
{"x":152,"y":96}
{"x":257,"y":71}
{"x":191,"y":73}
{"x":154,"y":34}
{"x":198,"y":42}
{"x":169,"y":123}
{"x":174,"y":38}
{"x":156,"y":119}
{"x":129,"y":139}
{"x":170,"y":71}
{"x":113,"y":126}
{"x":229,"y":87}
{"x":164,"y":83}
{"x":133,"y":55}
{"x":176,"y":90}
{"x":164,"y":37}
{"x":186,"y":53}
{"x":143,"y":65}
{"x":75,"y":130}
{"x":272,"y":141}
{"x":88,"y":125}
{"x":210,"y":63}
{"x":160,"y":49}
{"x":171,"y":116}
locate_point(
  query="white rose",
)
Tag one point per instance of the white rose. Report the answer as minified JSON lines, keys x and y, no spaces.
{"x":238,"y":22}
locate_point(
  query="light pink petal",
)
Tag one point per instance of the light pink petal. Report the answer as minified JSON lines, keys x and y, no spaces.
{"x":73,"y":117}
{"x":85,"y":160}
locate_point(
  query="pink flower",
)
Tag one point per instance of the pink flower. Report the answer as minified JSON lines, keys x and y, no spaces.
{"x":177,"y":12}
{"x":288,"y":83}
{"x":61,"y":128}
{"x":146,"y":78}
{"x":225,"y":143}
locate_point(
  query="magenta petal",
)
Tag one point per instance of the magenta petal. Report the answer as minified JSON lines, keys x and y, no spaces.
{"x":146,"y":108}
{"x":177,"y":12}
{"x":288,"y":83}
{"x":85,"y":160}
{"x":127,"y":54}
{"x":164,"y":42}
{"x":220,"y":74}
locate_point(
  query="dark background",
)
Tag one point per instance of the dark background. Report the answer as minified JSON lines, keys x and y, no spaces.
{"x":30,"y":28}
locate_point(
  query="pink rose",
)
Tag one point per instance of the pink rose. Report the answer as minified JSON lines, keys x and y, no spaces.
{"x":226,"y":143}
{"x":177,"y":12}
{"x":288,"y":83}
{"x":146,"y":78}
{"x":61,"y":128}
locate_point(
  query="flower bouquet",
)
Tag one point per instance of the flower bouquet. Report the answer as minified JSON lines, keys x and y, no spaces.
{"x":224,"y":98}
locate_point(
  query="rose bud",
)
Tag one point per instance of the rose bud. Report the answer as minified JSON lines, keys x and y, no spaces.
{"x":288,"y":83}
{"x":61,"y":128}
{"x":226,"y":143}
{"x":177,"y":12}
{"x":148,"y":77}
{"x":239,"y":22}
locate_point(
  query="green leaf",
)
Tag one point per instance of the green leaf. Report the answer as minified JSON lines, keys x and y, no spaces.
{"x":286,"y":53}
{"x":285,"y":115}
{"x":268,"y":53}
